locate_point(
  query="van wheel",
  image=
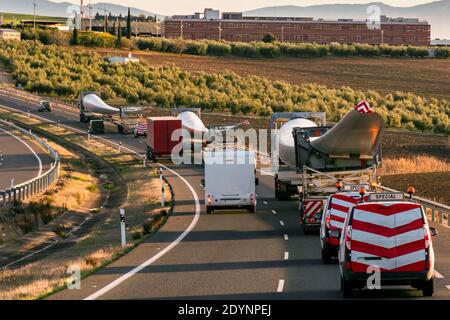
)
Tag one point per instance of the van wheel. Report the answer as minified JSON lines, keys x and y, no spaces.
{"x":346,"y":288}
{"x":326,"y":257}
{"x":428,"y":288}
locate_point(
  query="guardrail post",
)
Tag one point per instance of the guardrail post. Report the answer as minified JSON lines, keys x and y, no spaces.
{"x":441,"y":216}
{"x":14,"y":193}
{"x":9,"y":196}
{"x":432,"y":214}
{"x":19,"y":193}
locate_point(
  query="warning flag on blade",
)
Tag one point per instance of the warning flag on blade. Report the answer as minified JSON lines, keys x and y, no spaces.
{"x":363,"y":107}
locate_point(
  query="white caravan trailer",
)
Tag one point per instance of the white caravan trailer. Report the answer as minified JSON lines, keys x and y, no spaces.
{"x":230,"y":180}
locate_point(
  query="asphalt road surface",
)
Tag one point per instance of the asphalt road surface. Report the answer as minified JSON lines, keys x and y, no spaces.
{"x":20,"y":158}
{"x":225,"y":255}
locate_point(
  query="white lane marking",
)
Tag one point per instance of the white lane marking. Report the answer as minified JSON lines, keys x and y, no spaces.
{"x":274,"y":212}
{"x":162,"y":252}
{"x":286,"y":237}
{"x":437,"y":275}
{"x":30,"y":148}
{"x":265,"y":202}
{"x":286,"y":255}
{"x":280,"y":285}
{"x":281,"y":222}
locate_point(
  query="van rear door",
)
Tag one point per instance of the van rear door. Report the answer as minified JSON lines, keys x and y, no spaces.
{"x":387,"y":235}
{"x":409,"y":237}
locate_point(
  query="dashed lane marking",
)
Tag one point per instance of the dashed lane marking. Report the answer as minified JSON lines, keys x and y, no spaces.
{"x":280,"y":285}
{"x":437,"y":275}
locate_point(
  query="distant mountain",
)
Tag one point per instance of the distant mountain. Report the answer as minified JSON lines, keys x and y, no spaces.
{"x":60,"y":9}
{"x":437,"y":13}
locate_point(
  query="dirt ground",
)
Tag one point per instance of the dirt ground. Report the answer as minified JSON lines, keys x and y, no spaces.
{"x":425,"y":77}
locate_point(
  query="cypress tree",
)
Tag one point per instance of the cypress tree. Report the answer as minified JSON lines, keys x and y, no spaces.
{"x":74,"y":37}
{"x":119,"y":35}
{"x":129,"y":24}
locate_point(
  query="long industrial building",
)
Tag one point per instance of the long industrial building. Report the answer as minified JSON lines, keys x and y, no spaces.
{"x":233,"y":26}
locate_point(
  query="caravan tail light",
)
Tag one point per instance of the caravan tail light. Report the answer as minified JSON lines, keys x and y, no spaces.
{"x":348,"y":238}
{"x":252,"y":198}
{"x":209,"y":199}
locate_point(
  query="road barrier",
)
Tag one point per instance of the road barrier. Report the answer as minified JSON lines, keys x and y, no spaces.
{"x":36,"y":185}
{"x":436,"y":212}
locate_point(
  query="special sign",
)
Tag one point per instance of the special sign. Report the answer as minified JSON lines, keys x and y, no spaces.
{"x":386,"y":196}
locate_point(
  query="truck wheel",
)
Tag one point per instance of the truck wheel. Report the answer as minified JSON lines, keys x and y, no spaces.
{"x":346,"y":288}
{"x":428,"y":288}
{"x":209,"y":210}
{"x":251,"y":209}
{"x":326,"y":257}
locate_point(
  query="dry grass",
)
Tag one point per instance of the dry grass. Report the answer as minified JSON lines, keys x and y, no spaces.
{"x":67,"y":193}
{"x":98,"y":246}
{"x":414,"y":164}
{"x":29,"y":282}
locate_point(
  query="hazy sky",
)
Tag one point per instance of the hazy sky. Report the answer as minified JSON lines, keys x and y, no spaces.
{"x":168,"y":7}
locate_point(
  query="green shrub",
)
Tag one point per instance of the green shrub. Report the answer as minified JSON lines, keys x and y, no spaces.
{"x":417,"y":52}
{"x":398,"y":51}
{"x":218,"y":48}
{"x":442,"y":53}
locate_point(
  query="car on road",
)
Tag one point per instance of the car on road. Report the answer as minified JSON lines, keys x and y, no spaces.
{"x":390,"y":240}
{"x":230,"y":180}
{"x":333,"y":218}
{"x":45,"y":106}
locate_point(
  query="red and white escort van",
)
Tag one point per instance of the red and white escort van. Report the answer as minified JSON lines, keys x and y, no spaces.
{"x":391,"y":236}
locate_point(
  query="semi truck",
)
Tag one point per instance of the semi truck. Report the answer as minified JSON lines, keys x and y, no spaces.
{"x":318,"y":160}
{"x":126,"y":119}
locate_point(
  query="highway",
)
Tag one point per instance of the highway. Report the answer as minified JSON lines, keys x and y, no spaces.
{"x":20,"y":158}
{"x":229,"y":255}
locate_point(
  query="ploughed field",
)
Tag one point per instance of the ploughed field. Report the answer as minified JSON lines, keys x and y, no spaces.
{"x":424,"y":77}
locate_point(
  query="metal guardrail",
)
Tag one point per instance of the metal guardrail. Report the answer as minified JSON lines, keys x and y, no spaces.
{"x":436,"y":212}
{"x":36,"y":185}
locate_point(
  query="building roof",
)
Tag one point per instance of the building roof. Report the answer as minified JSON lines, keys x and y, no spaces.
{"x":439,"y":42}
{"x":9,"y":30}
